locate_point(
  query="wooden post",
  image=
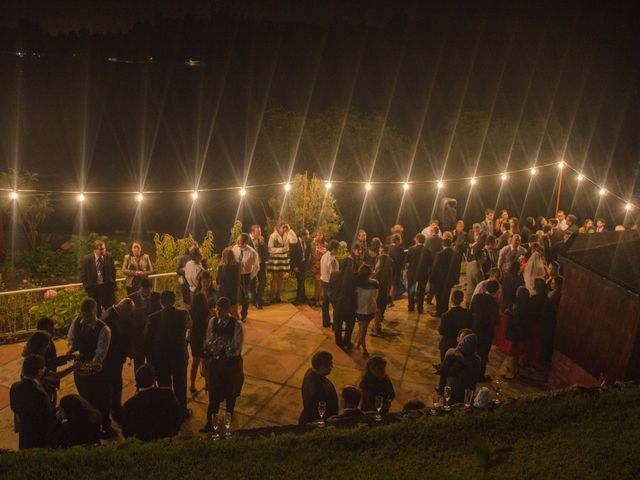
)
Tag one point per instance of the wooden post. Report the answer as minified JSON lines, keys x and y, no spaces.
{"x":304,"y":200}
{"x":559,"y":190}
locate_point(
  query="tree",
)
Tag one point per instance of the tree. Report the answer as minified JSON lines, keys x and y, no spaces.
{"x":308,"y":204}
{"x":30,"y":210}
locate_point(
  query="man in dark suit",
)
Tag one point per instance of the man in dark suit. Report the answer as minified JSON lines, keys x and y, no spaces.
{"x":153,"y":413}
{"x":259,"y":281}
{"x":419,"y":263}
{"x":119,"y":319}
{"x":147,"y":303}
{"x":444,"y":275}
{"x":487,"y":226}
{"x":300,"y":255}
{"x":317,"y":388}
{"x":485,"y":313}
{"x":98,"y":276}
{"x":452,"y":321}
{"x":350,"y":397}
{"x":34,"y":411}
{"x":166,"y":345}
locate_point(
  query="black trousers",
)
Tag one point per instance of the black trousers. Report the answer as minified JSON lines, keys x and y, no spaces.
{"x":416,"y":295}
{"x":114,"y":377}
{"x":258,"y":285}
{"x":174,"y":376}
{"x":96,"y":390}
{"x":104,"y":295}
{"x":346,"y":320}
{"x":186,"y":293}
{"x":301,"y":274}
{"x":245,"y":293}
{"x":442,"y":299}
{"x":484,"y":347}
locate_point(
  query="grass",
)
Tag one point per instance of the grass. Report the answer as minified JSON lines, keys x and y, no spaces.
{"x":566,"y":437}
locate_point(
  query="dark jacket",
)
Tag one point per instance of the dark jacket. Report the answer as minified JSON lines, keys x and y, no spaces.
{"x":34,"y":411}
{"x":121,"y":331}
{"x":228,"y":280}
{"x":68,"y":435}
{"x":419,"y":263}
{"x":89,"y":271}
{"x":144,"y":308}
{"x":151,"y":414}
{"x":452,"y":321}
{"x":295,"y":255}
{"x":433,"y":244}
{"x":343,"y":292}
{"x":316,"y":388}
{"x":460,"y":372}
{"x":485,"y":313}
{"x":263,"y":251}
{"x":446,"y":269}
{"x":165,"y":337}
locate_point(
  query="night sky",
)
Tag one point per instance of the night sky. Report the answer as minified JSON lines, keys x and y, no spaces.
{"x":463,"y":88}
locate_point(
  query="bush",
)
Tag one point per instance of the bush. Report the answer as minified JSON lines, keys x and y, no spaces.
{"x":61,"y":306}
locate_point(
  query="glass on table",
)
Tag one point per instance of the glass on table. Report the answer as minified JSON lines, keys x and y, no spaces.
{"x":447,"y":397}
{"x":379,"y":404}
{"x":322,"y":409}
{"x":468,"y":397}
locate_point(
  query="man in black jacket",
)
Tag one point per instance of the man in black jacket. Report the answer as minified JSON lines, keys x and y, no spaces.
{"x":445,"y":274}
{"x":34,"y":411}
{"x":98,"y":276}
{"x":419,"y":263}
{"x":344,"y":300}
{"x":260,"y":280}
{"x":166,"y":345}
{"x":485,"y":313}
{"x":147,"y":303}
{"x":300,"y":255}
{"x":153,"y":413}
{"x":452,"y":321}
{"x":317,"y":388}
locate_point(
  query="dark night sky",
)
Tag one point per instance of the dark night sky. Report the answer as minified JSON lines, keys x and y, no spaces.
{"x":567,"y":72}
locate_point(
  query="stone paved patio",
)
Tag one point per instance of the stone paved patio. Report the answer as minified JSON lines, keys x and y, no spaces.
{"x":279,"y":343}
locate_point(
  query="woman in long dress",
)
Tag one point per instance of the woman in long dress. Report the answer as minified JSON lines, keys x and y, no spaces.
{"x":228,"y":279}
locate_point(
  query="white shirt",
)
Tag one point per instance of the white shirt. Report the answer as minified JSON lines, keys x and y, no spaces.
{"x":427,"y":232}
{"x":192,"y":272}
{"x":328,"y":265}
{"x":248,"y":259}
{"x":563,"y":225}
{"x":104,"y":338}
{"x":482,"y":288}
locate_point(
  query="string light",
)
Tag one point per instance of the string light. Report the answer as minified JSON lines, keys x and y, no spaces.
{"x":367,"y":186}
{"x":533,"y":171}
{"x":405,"y":186}
{"x":473,"y":181}
{"x":287,"y":187}
{"x":139,"y":197}
{"x":504,"y":177}
{"x":561,"y":164}
{"x":327,"y":185}
{"x":580,"y":177}
{"x":194,"y":195}
{"x":243,"y":192}
{"x":13,"y":195}
{"x":440,"y":184}
{"x":603,"y":192}
{"x":81,"y":197}
{"x":628,"y":206}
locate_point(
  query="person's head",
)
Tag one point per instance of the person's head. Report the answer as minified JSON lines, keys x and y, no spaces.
{"x":375,"y":245}
{"x":488,"y":213}
{"x":535,"y":247}
{"x":554,"y":268}
{"x":362,"y":235}
{"x":553,"y":222}
{"x":413,"y":405}
{"x":446,"y":242}
{"x":600,"y":223}
{"x":420,"y":239}
{"x":146,"y":286}
{"x":476,"y":227}
{"x":588,"y":224}
{"x":125,"y":307}
{"x":33,"y":366}
{"x":504,"y":214}
{"x":322,"y":362}
{"x":540,"y":286}
{"x":459,"y":226}
{"x":547,"y":229}
{"x":334,"y":245}
{"x":492,"y":287}
{"x":227,"y":257}
{"x":530,"y":223}
{"x":434,"y":223}
{"x":243,"y":240}
{"x":256,"y":231}
{"x":516,"y":240}
{"x":136,"y":249}
{"x":435,"y":230}
{"x":37,"y":344}
{"x":88,"y":308}
{"x":490,"y":242}
{"x":556,"y":283}
{"x":535,"y":237}
{"x":397,"y":229}
{"x":303,"y":234}
{"x":99,"y":248}
{"x":77,"y":411}
{"x":448,"y":235}
{"x":396,"y":239}
{"x":457,"y":296}
{"x":350,"y":396}
{"x":541,"y":221}
{"x":522,"y":296}
{"x":319,"y":237}
{"x":495,"y":274}
{"x":206,"y":280}
{"x":364,"y":273}
{"x":560,"y":215}
{"x":505,"y":227}
{"x":377,"y":366}
{"x":513,"y":224}
{"x":463,"y":333}
{"x":571,"y":219}
{"x":357,"y":250}
{"x":46,"y":325}
{"x":468,"y":344}
{"x":195,"y":255}
{"x":167,"y":298}
{"x":145,"y":376}
{"x":222,"y":307}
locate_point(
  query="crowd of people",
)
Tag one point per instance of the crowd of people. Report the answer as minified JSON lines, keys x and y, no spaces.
{"x":509,"y":296}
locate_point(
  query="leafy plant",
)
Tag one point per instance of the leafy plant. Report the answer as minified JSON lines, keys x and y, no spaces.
{"x":61,"y":306}
{"x":235,"y":232}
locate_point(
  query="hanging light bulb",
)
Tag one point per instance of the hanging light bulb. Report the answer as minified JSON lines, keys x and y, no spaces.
{"x":561,"y":164}
{"x":628,"y":206}
{"x":504,"y":177}
{"x":473,"y":181}
{"x":533,"y":171}
{"x":243,"y":192}
{"x":440,"y":184}
{"x":405,"y":186}
{"x":194,"y":195}
{"x":81,"y":197}
{"x":13,"y":195}
{"x":327,"y":185}
{"x":367,"y":186}
{"x":287,"y":187}
{"x":580,"y":177}
{"x":139,"y":197}
{"x":602,"y":192}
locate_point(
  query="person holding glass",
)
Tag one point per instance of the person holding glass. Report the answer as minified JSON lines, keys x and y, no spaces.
{"x":460,"y":370}
{"x":376,"y":383}
{"x":135,"y":267}
{"x":319,"y":396}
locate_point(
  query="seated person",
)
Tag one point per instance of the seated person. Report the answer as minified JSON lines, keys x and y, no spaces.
{"x":78,"y":423}
{"x":376,"y":383}
{"x":350,"y":397}
{"x":316,"y":387}
{"x":461,"y":367}
{"x":153,"y":412}
{"x":413,"y":406}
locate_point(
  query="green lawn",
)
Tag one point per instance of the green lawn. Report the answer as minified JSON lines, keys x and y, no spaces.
{"x":568,"y":437}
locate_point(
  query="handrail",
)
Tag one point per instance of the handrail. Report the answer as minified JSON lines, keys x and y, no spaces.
{"x":70,"y":285}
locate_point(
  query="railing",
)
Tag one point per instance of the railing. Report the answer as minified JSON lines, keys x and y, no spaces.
{"x":18,"y":308}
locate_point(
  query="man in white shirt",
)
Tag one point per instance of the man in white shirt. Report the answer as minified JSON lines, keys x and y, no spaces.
{"x":510,"y":254}
{"x":249,"y":262}
{"x":431,"y":229}
{"x":328,"y":265}
{"x":562,"y":220}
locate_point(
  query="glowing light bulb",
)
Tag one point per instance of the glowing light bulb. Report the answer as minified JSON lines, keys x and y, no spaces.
{"x":194,"y":195}
{"x":139,"y":197}
{"x":405,"y":186}
{"x":603,"y":192}
{"x":287,"y":187}
{"x":243,"y":192}
{"x":533,"y":171}
{"x":367,"y":186}
{"x":580,"y":177}
{"x":327,"y":185}
{"x":504,"y":177}
{"x":473,"y":181}
{"x":561,"y":164}
{"x":13,"y":195}
{"x":440,"y":184}
{"x":628,"y":206}
{"x":81,"y":197}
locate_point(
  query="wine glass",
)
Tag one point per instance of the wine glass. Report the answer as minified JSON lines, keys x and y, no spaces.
{"x":431,"y":405}
{"x":322,"y":409}
{"x":468,"y":397}
{"x":216,"y":427}
{"x":498,"y":387}
{"x":227,"y":424}
{"x":379,"y":404}
{"x":447,"y":397}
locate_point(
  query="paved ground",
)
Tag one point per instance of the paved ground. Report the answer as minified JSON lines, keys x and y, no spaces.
{"x":279,"y":342}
